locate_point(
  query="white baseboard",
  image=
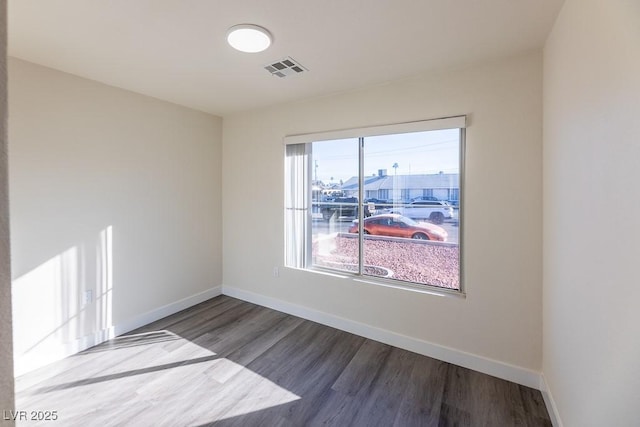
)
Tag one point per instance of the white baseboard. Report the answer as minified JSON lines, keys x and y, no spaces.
{"x":164,"y":311}
{"x":485,"y":365}
{"x":550,"y":403}
{"x":56,"y":351}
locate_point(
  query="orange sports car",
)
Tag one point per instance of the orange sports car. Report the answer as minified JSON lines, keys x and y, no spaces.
{"x":395,"y":225}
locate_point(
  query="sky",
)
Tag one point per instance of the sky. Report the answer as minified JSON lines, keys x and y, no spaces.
{"x":414,"y":153}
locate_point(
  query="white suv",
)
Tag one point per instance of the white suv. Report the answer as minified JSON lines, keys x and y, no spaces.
{"x":435,"y":211}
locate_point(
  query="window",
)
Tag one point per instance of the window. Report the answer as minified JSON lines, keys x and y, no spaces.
{"x":409,"y":234}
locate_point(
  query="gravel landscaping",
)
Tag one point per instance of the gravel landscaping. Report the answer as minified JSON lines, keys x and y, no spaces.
{"x":408,"y":260}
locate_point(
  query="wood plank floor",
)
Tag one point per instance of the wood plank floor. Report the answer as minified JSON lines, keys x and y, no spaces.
{"x":226,"y":362}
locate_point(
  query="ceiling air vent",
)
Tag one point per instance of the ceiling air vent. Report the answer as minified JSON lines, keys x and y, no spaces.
{"x":285,"y":67}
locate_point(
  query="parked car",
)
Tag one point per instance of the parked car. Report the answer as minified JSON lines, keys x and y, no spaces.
{"x":435,"y":211}
{"x":395,"y":225}
{"x":421,"y":198}
{"x":377,"y":206}
{"x":379,"y":203}
{"x":339,"y":207}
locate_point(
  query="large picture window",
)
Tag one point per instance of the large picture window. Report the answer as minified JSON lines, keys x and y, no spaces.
{"x":381,"y":202}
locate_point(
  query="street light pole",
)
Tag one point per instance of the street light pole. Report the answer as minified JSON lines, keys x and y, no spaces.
{"x":395,"y":184}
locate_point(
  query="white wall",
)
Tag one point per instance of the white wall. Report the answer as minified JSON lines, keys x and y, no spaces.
{"x":591,"y":211}
{"x":111,"y":192}
{"x":6,"y":351}
{"x":501,"y":317}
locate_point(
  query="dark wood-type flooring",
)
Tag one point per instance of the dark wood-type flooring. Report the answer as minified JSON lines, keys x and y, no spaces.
{"x":226,"y":362}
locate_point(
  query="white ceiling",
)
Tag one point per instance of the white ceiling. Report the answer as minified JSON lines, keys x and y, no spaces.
{"x":176,"y":50}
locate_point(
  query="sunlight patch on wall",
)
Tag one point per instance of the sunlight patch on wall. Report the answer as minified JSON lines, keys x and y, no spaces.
{"x":45,"y":308}
{"x":104,"y":298}
{"x":64,"y":305}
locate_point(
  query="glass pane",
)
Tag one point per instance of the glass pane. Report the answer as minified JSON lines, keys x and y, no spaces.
{"x":334,"y":202}
{"x":412,"y":231}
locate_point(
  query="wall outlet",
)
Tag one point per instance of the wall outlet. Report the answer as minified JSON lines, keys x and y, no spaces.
{"x":87,"y":297}
{"x":276,"y":272}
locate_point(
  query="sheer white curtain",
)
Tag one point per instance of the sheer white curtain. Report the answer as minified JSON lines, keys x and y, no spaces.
{"x":296,"y":204}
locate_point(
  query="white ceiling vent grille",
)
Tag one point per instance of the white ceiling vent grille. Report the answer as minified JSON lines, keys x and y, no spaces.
{"x":285,"y":67}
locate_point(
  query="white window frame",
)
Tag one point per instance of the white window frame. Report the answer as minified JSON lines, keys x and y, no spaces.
{"x":298,"y":204}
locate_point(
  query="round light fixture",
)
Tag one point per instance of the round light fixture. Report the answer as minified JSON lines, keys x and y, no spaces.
{"x":248,"y":38}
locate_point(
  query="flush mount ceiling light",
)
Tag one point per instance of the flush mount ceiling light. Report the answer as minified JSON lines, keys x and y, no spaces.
{"x":248,"y":38}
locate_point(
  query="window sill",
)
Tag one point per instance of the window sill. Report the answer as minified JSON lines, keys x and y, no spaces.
{"x":389,"y":283}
